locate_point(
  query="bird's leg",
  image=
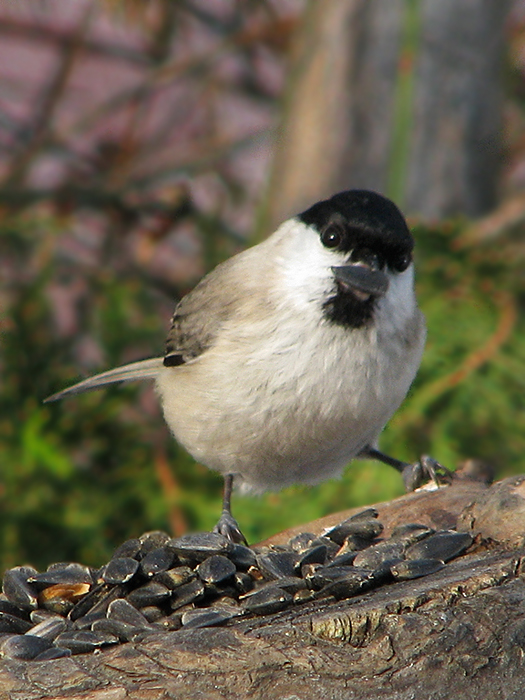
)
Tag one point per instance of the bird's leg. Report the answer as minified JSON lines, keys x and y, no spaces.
{"x":414,"y":475}
{"x":227,"y":524}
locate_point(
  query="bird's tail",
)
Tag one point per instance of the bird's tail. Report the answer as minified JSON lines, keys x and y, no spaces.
{"x":145,"y":369}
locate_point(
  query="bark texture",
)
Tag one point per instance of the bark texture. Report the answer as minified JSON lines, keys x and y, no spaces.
{"x":399,"y":97}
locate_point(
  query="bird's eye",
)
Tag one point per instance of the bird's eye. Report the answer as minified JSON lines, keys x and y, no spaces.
{"x":402,"y":262}
{"x":332,"y":236}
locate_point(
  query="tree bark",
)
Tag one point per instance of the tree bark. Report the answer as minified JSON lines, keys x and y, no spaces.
{"x":397,"y":96}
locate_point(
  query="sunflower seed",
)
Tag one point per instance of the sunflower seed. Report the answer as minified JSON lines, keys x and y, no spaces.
{"x":24,"y":646}
{"x":415,"y":568}
{"x":243,"y":557}
{"x":53,"y":653}
{"x":71,"y":573}
{"x":119,"y":570}
{"x":196,"y":547}
{"x":50,"y":628}
{"x":313,"y":555}
{"x":157,"y":560}
{"x":216,"y":569}
{"x":17,"y":590}
{"x":364,"y":528}
{"x":444,"y":545}
{"x":410,"y":533}
{"x":83,"y":641}
{"x":187,"y":593}
{"x":13,"y":624}
{"x":378,"y":554}
{"x":301,"y":542}
{"x":173,"y":578}
{"x":129,"y":548}
{"x":345,"y":587}
{"x":123,"y":611}
{"x":150,"y":594}
{"x":204,"y":618}
{"x":266,"y":601}
{"x":276,"y":565}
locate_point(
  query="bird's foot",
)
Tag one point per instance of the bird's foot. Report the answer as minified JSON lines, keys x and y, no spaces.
{"x":415,"y":475}
{"x":229,"y":528}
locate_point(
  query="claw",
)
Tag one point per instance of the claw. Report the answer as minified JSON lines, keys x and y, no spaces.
{"x":415,"y":475}
{"x":229,"y":528}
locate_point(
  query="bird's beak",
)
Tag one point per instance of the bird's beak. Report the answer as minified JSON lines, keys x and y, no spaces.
{"x":362,"y":280}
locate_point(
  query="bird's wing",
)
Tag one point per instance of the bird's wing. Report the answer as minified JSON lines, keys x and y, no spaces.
{"x":201,"y":314}
{"x":145,"y":369}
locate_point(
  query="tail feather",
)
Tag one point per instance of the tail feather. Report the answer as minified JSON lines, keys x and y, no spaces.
{"x":145,"y":369}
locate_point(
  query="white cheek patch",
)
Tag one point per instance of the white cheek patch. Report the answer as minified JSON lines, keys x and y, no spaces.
{"x":305,"y":264}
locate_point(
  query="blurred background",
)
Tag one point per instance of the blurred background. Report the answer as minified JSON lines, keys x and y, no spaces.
{"x":141,"y":143}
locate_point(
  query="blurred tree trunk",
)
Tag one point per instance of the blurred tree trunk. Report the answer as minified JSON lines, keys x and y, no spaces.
{"x":400,"y":96}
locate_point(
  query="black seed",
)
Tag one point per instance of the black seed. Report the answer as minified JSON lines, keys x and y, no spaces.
{"x":130,"y":548}
{"x":17,"y":590}
{"x":411,"y":532}
{"x":373,"y":557}
{"x":331,"y":546}
{"x":152,"y":613}
{"x":53,"y":653}
{"x":173,"y":578}
{"x":83,"y":641}
{"x":125,"y":632}
{"x":266,"y":601}
{"x":119,"y":570}
{"x":415,"y":568}
{"x":85,"y":622}
{"x":150,"y":594}
{"x":156,"y":561}
{"x":40,"y":615}
{"x":326,"y":575}
{"x":50,"y":628}
{"x":276,"y":565}
{"x":187,"y":593}
{"x":303,"y":596}
{"x":24,"y":646}
{"x":343,"y":559}
{"x":352,"y":543}
{"x":313,"y":555}
{"x":243,"y":582}
{"x":363,"y":528}
{"x":365,"y":514}
{"x":204,"y":618}
{"x":97,"y":600}
{"x":243,"y":557}
{"x":345,"y":587}
{"x":58,"y":606}
{"x":444,"y":545}
{"x":197,"y":547}
{"x":216,"y":569}
{"x":301,"y":542}
{"x":11,"y":609}
{"x":64,"y":574}
{"x":152,"y":540}
{"x":123,"y":611}
{"x":13,"y":625}
{"x":290,"y":584}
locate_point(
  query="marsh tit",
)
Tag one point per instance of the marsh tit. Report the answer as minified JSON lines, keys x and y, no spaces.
{"x":286,"y":361}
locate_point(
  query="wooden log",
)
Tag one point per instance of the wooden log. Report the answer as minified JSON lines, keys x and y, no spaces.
{"x":446,"y":635}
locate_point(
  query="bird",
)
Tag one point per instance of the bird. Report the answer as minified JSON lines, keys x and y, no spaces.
{"x":286,"y":361}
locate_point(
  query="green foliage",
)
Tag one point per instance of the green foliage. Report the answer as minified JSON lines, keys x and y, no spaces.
{"x":79,"y":477}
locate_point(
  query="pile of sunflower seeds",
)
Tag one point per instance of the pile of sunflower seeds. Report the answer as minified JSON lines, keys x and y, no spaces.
{"x":159,"y":583}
